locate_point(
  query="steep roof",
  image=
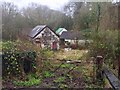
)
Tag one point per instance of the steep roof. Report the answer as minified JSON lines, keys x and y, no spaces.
{"x":35,"y":31}
{"x":72,"y":35}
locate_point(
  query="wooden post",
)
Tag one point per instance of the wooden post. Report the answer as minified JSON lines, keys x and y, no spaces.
{"x":99,"y":68}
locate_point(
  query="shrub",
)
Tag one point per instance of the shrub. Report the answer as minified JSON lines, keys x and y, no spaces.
{"x":105,"y":44}
{"x":9,"y":46}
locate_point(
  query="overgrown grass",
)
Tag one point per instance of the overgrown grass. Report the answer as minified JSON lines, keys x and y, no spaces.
{"x":32,"y":80}
{"x":46,"y":53}
{"x":70,"y":55}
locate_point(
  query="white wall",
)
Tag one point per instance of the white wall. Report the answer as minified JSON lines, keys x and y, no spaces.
{"x":80,"y":42}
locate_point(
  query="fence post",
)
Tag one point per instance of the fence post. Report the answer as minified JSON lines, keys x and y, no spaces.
{"x":99,"y":68}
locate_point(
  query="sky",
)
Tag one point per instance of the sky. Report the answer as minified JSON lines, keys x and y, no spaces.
{"x":53,"y":4}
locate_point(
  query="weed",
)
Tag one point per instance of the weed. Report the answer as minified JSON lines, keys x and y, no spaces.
{"x":30,"y":82}
{"x":65,"y":65}
{"x":63,"y":86}
{"x":47,"y":74}
{"x":60,"y":80}
{"x":69,"y":76}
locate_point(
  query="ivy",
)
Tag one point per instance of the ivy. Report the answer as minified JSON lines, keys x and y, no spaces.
{"x":12,"y":57}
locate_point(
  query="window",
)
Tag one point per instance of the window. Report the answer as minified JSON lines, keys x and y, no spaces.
{"x":42,"y":34}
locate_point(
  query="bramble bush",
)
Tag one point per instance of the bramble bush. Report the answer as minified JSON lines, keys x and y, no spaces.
{"x":105,"y":44}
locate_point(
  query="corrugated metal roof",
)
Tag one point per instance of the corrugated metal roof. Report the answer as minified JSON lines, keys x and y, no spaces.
{"x":58,"y":31}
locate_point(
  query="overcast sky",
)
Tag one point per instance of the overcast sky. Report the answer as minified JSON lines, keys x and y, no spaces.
{"x":53,"y":4}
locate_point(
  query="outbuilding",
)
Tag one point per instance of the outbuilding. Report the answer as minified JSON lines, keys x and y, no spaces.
{"x":44,"y":37}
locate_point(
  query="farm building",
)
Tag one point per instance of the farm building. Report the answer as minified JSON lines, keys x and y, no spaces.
{"x":59,"y":31}
{"x":45,"y":37}
{"x":72,"y":38}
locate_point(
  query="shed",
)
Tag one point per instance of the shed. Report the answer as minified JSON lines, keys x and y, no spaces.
{"x":44,"y":36}
{"x":72,"y":38}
